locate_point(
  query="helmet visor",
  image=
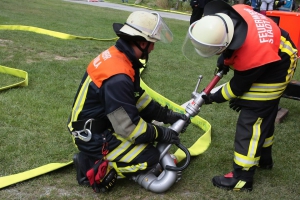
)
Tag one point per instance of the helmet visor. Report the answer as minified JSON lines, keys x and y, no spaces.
{"x":189,"y":51}
{"x":161,"y":31}
{"x":206,"y":50}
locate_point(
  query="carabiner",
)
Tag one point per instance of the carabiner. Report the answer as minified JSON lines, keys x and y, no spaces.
{"x":88,"y":134}
{"x":89,"y":121}
{"x":86,"y":137}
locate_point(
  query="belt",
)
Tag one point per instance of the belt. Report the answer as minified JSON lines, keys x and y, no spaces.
{"x":94,"y":125}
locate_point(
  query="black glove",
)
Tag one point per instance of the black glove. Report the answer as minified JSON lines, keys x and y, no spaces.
{"x":167,"y":135}
{"x":207,"y":99}
{"x":172,"y":117}
{"x":109,"y":180}
{"x":167,"y":116}
{"x":221,"y":66}
{"x":234,"y":106}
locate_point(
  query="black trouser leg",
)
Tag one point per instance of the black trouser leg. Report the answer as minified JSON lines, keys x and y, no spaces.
{"x":254,"y":129}
{"x":149,"y":156}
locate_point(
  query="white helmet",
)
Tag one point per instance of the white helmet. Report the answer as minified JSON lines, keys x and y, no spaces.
{"x":211,"y":34}
{"x":149,"y":26}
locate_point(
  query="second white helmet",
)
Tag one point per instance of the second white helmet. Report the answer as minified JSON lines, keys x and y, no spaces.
{"x":211,"y":34}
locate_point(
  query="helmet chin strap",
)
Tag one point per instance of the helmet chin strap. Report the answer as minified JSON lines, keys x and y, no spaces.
{"x":144,"y":51}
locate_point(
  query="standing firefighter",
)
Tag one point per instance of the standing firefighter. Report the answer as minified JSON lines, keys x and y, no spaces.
{"x":263,"y":59}
{"x":111,"y":115}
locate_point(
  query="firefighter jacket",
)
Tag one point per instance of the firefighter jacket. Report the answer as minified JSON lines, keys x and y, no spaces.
{"x":110,"y":92}
{"x":263,"y":65}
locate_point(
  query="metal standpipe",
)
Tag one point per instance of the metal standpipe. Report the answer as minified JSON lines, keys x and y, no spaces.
{"x":167,"y":173}
{"x":164,"y":180}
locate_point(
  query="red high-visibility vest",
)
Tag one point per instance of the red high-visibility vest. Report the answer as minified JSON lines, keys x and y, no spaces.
{"x":110,"y":62}
{"x":261,"y":44}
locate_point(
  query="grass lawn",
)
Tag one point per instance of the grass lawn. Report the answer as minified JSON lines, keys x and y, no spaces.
{"x":33,"y":119}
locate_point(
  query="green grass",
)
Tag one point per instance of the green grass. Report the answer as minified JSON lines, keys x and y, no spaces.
{"x":33,"y":119}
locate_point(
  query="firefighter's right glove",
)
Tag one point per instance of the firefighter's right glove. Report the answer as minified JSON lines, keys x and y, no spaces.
{"x":173,"y":117}
{"x":221,"y":66}
{"x":167,"y":135}
{"x":233,"y":105}
{"x":208,"y":99}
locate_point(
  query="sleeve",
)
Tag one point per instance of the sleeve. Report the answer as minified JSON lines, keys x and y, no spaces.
{"x":154,"y":111}
{"x":238,"y":85}
{"x":121,"y":109}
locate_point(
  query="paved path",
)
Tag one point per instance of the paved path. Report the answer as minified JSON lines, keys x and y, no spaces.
{"x":132,"y":8}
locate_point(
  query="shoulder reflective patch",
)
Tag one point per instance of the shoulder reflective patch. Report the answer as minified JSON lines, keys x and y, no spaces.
{"x":121,"y":122}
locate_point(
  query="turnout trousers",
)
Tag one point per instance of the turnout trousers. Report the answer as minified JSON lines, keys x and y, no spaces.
{"x":253,"y":140}
{"x":125,"y":157}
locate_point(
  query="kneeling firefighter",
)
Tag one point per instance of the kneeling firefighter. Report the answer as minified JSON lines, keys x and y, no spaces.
{"x":263,"y":58}
{"x":111,"y":114}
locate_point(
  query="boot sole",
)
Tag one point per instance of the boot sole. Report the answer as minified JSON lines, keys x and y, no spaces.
{"x":233,"y":189}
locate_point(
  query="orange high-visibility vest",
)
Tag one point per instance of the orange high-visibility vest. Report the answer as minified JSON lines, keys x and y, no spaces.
{"x":261,"y":44}
{"x":110,"y":62}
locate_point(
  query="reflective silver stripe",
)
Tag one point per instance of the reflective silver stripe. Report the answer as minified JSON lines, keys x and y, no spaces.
{"x":261,"y":96}
{"x":243,"y":162}
{"x":291,"y":72}
{"x":288,"y":46}
{"x":268,"y":141}
{"x":139,"y":129}
{"x":255,"y":137}
{"x":133,"y":168}
{"x":272,"y":87}
{"x":133,"y":153}
{"x":226,"y":92}
{"x":143,"y":101}
{"x":120,"y":149}
{"x":250,"y":160}
{"x":265,"y":91}
{"x":79,"y":101}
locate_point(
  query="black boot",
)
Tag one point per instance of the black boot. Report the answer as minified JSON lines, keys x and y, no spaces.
{"x":228,"y":182}
{"x":266,"y":161}
{"x":80,"y":176}
{"x":265,"y":165}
